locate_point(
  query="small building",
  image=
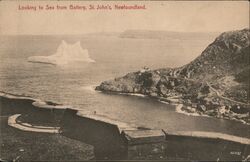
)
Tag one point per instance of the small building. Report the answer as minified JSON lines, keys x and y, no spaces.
{"x":145,"y":144}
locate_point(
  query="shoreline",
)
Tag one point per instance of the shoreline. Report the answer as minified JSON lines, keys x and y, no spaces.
{"x":43,"y":105}
{"x":179,"y":106}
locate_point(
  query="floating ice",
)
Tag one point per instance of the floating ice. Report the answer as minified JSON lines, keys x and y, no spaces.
{"x":65,"y":53}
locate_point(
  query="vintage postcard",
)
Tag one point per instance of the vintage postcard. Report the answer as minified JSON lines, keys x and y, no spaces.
{"x":124,"y":81}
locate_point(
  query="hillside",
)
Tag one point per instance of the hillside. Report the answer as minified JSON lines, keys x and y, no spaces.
{"x":216,"y":83}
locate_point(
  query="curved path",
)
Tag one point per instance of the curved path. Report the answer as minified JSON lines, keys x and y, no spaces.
{"x":27,"y":127}
{"x":225,"y":98}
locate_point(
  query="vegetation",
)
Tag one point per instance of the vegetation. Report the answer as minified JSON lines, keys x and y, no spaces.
{"x":217,"y":80}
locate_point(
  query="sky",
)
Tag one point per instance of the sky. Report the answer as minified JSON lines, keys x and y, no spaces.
{"x":180,"y":16}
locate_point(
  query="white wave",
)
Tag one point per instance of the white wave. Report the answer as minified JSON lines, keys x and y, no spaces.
{"x":13,"y":96}
{"x":41,"y":104}
{"x":65,"y":53}
{"x":36,"y":102}
{"x":133,"y":94}
{"x":164,"y":102}
{"x":89,"y":88}
{"x":179,"y":109}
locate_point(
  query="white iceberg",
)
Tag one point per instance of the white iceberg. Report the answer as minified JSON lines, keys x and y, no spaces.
{"x":65,"y":53}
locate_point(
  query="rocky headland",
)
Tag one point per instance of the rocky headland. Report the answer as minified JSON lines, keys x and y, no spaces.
{"x":167,"y":35}
{"x":216,"y":83}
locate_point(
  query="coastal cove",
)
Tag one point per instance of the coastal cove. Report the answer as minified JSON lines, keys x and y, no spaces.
{"x":174,"y":102}
{"x":71,"y":85}
{"x":225,"y":127}
{"x":204,"y":86}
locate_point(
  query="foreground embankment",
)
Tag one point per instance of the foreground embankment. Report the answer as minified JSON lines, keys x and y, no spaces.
{"x":20,"y":145}
{"x":111,"y":139}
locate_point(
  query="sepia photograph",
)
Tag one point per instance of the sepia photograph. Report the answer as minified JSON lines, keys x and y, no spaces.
{"x":124,"y":81}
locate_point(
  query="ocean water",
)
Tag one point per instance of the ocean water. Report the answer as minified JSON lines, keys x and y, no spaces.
{"x":73,"y":84}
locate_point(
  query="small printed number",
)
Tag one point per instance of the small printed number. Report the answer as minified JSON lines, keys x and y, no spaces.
{"x":235,"y":153}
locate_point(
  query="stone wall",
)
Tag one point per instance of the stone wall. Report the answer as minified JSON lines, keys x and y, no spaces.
{"x":105,"y":137}
{"x":116,"y":140}
{"x":110,"y":142}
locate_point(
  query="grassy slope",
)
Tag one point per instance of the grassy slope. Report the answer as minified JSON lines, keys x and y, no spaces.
{"x":27,"y":146}
{"x":17,"y":144}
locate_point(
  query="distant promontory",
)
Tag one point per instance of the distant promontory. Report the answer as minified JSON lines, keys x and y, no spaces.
{"x":216,"y":83}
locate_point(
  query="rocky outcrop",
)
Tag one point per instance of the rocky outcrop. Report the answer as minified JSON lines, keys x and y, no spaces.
{"x":216,"y":83}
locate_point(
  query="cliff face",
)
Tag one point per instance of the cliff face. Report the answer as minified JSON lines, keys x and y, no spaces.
{"x":215,"y":83}
{"x":227,"y":55}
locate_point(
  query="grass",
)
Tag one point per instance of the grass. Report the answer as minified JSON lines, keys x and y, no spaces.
{"x":27,"y":146}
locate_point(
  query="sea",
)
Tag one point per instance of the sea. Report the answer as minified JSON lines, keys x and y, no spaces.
{"x":73,"y":84}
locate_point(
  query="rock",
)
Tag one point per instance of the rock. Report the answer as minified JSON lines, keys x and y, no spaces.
{"x":153,"y":94}
{"x":163,"y":90}
{"x":203,"y":81}
{"x":239,"y":110}
{"x":201,"y":108}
